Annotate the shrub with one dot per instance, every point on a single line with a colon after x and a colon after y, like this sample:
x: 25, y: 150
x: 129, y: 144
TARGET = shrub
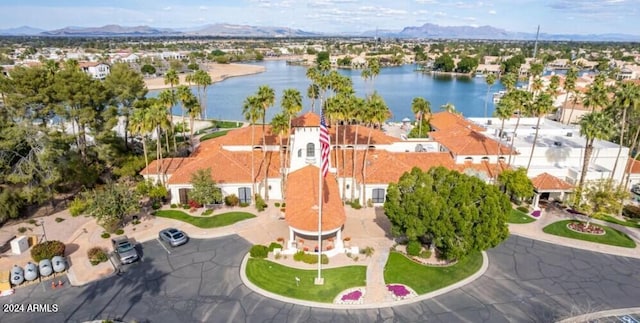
x: 413, y: 248
x: 59, y: 220
x: 135, y: 222
x: 97, y: 255
x: 284, y: 205
x: 22, y: 229
x: 368, y: 251
x: 277, y: 204
x: 244, y: 204
x: 47, y: 250
x: 185, y: 206
x: 33, y: 222
x: 260, y: 203
x: 173, y: 205
x: 369, y: 203
x: 356, y: 258
x: 105, y: 235
x: 280, y: 239
x: 298, y: 256
x: 119, y: 232
x: 259, y: 251
x: 356, y: 204
x: 274, y: 245
x: 631, y: 211
x: 156, y: 205
x: 77, y: 206
x: 278, y: 256
x: 231, y: 200
x: 425, y: 254
x: 523, y: 209
x: 311, y: 259
x: 207, y: 212
x: 194, y: 204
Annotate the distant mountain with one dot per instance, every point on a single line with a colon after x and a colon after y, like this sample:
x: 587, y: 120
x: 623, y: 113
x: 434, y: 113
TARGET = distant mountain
x: 111, y: 30
x: 229, y: 30
x: 488, y: 32
x: 21, y: 31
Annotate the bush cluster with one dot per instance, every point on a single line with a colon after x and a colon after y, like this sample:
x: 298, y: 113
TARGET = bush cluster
x: 413, y: 248
x: 309, y: 258
x: 47, y: 250
x: 231, y: 200
x: 207, y: 212
x: 244, y: 204
x: 274, y: 245
x: 194, y: 205
x: 105, y: 235
x: 259, y: 251
x: 260, y: 203
x: 119, y: 232
x: 97, y: 255
x: 631, y: 211
x: 77, y: 206
x: 173, y: 205
x: 425, y: 254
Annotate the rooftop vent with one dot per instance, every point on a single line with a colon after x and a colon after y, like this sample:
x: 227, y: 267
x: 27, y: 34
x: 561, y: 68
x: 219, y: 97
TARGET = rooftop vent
x: 557, y: 143
x: 489, y: 122
x: 569, y: 134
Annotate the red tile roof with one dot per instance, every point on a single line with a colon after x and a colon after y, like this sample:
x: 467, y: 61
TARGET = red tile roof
x: 168, y: 166
x: 302, y: 201
x: 308, y: 119
x: 546, y: 182
x: 378, y: 137
x: 634, y: 165
x: 463, y: 141
x: 447, y: 121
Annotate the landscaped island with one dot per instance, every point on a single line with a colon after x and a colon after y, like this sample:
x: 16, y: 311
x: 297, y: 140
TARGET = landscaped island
x: 205, y: 222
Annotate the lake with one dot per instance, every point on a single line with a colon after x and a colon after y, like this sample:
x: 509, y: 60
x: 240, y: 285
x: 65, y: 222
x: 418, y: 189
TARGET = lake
x: 397, y: 85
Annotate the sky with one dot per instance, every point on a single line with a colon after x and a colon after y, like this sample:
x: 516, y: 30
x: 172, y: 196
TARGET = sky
x: 553, y: 16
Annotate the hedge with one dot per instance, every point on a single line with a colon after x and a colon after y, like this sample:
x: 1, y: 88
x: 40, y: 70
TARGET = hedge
x: 259, y: 251
x: 413, y: 248
x: 47, y: 250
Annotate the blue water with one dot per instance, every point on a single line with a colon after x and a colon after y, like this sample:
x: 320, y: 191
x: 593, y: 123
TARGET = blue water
x: 397, y: 85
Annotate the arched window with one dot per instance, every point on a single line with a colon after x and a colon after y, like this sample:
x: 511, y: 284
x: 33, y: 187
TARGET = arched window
x: 311, y: 150
x: 300, y: 153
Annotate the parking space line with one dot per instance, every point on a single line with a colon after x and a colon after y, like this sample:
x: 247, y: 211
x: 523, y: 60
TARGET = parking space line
x: 163, y: 246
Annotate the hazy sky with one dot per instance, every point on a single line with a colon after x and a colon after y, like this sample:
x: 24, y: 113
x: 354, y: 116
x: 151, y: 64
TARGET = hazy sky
x: 554, y: 16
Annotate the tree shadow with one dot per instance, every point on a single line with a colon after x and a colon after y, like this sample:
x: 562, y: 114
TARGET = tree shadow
x: 383, y: 222
x: 70, y: 249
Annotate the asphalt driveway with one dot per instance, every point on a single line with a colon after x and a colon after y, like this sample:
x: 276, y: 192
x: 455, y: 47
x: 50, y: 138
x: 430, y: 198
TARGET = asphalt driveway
x: 527, y: 281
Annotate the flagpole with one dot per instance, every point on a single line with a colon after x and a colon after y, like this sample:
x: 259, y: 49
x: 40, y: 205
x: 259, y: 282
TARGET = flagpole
x: 319, y: 280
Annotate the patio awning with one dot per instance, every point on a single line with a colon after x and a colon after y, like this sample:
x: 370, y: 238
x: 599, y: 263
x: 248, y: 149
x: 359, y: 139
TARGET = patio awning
x: 547, y: 183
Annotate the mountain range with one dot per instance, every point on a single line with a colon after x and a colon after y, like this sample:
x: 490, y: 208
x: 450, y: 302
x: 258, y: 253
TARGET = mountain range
x: 428, y: 31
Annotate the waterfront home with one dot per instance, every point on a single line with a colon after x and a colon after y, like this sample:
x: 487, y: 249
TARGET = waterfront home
x: 97, y: 70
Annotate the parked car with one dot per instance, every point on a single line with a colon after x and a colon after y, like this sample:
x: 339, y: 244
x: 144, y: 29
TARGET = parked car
x: 173, y: 236
x: 125, y: 250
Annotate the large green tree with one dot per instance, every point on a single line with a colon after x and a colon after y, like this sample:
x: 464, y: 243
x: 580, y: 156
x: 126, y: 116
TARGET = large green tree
x: 516, y: 183
x: 455, y: 213
x: 205, y: 190
x: 111, y: 204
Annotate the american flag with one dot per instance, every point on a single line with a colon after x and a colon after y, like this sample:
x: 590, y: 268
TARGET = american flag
x: 324, y: 146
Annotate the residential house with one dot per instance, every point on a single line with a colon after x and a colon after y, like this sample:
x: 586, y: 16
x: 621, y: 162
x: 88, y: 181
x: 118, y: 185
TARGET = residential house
x: 97, y: 70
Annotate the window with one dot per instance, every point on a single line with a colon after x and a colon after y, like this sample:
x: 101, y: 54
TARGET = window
x: 300, y: 153
x: 244, y: 195
x: 378, y: 195
x: 311, y: 150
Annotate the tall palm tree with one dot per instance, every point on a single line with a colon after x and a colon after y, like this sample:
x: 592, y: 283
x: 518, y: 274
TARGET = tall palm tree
x: 595, y: 125
x: 542, y: 105
x: 251, y: 112
x: 358, y: 116
x: 280, y: 126
x: 504, y: 111
x: 569, y: 88
x: 171, y: 78
x: 596, y: 96
x: 521, y: 100
x: 168, y: 99
x: 183, y: 95
x: 139, y: 125
x: 291, y: 106
x: 490, y: 79
x: 627, y: 97
x: 157, y: 117
x: 376, y: 113
x: 509, y: 81
x: 371, y: 70
x: 449, y: 107
x: 203, y: 79
x: 420, y: 107
x: 313, y: 93
x: 194, y: 110
x: 266, y: 97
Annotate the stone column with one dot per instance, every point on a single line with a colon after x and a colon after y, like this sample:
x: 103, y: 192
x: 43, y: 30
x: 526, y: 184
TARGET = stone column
x: 536, y: 201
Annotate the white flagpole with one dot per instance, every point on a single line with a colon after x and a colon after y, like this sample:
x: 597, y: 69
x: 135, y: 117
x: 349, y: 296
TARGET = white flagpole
x: 319, y: 280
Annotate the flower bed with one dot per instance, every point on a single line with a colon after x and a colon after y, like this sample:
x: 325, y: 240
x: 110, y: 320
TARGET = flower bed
x: 400, y: 292
x: 583, y: 228
x: 351, y: 296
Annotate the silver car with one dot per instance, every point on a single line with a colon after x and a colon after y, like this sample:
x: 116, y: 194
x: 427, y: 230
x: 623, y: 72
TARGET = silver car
x: 125, y: 250
x: 173, y: 236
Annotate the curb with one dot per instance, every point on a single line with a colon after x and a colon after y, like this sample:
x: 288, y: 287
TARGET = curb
x: 444, y: 290
x: 597, y: 315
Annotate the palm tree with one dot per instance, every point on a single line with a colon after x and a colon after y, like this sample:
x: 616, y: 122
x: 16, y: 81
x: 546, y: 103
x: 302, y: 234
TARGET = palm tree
x: 171, y: 78
x: 596, y: 96
x: 168, y: 99
x: 313, y: 93
x: 183, y: 95
x: 521, y: 100
x: 291, y: 106
x: 542, y: 105
x: 358, y: 116
x: 376, y: 113
x: 371, y: 71
x: 569, y: 87
x: 509, y: 81
x: 504, y: 111
x: 202, y: 79
x: 449, y: 107
x: 251, y: 112
x: 139, y: 125
x: 266, y: 98
x: 280, y: 126
x: 627, y: 97
x: 157, y: 117
x: 420, y: 107
x: 490, y: 79
x: 194, y: 110
x: 595, y: 125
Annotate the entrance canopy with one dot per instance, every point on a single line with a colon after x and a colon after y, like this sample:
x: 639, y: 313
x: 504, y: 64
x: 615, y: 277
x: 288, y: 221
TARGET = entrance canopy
x: 547, y: 183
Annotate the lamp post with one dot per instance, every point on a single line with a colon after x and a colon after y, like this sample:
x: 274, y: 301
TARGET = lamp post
x: 44, y: 232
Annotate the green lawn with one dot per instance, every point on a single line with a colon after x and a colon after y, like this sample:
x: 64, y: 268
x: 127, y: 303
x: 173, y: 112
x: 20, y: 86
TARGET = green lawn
x: 213, y: 135
x: 423, y: 279
x: 281, y: 280
x: 214, y: 221
x: 611, y: 219
x: 226, y: 124
x: 518, y: 217
x: 611, y: 237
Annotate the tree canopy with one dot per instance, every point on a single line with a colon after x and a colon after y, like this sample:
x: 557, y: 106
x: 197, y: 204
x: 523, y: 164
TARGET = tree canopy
x: 516, y: 183
x: 456, y: 213
x: 205, y: 190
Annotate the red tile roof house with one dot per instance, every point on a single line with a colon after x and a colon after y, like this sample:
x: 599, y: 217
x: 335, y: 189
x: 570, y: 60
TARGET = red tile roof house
x: 377, y: 163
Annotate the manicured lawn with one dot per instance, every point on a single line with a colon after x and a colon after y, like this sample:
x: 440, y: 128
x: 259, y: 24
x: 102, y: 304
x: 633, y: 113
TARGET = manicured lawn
x: 423, y: 279
x: 611, y: 219
x: 281, y: 280
x: 611, y: 237
x: 519, y: 217
x: 227, y: 124
x: 213, y: 135
x: 214, y: 221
